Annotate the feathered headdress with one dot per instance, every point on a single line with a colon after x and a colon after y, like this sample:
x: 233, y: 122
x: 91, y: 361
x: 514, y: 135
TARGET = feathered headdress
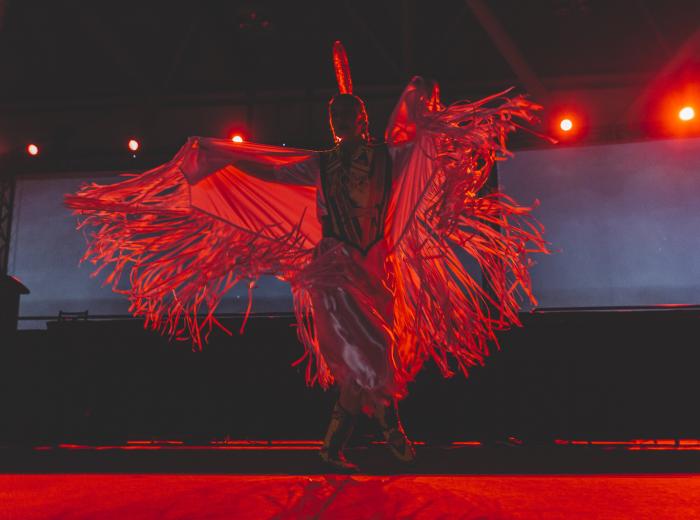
x: 342, y: 68
x: 342, y: 75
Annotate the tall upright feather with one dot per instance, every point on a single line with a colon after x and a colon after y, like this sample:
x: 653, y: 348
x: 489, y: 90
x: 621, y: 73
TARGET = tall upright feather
x: 342, y: 68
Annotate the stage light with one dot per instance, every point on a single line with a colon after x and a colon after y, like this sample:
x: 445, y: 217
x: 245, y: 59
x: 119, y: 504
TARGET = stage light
x: 566, y: 124
x: 133, y: 145
x: 33, y: 149
x: 686, y: 113
x: 237, y: 138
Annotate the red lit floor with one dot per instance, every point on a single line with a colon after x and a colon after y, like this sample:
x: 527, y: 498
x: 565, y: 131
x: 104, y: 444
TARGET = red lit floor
x: 134, y: 497
x: 654, y: 479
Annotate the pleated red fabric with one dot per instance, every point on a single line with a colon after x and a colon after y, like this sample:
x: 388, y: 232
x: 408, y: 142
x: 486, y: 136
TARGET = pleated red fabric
x: 176, y: 238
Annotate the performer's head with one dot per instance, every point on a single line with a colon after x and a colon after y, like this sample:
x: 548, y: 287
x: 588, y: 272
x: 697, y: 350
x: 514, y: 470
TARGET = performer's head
x: 348, y: 118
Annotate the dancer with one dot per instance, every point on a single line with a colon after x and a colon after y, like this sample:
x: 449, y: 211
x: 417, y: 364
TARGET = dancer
x: 377, y: 285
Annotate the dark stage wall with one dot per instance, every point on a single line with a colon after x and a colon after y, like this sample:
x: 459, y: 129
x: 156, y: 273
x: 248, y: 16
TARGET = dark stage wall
x: 594, y: 375
x: 624, y: 217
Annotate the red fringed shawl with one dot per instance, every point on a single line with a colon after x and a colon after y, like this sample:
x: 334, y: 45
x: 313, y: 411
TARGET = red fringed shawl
x: 186, y: 232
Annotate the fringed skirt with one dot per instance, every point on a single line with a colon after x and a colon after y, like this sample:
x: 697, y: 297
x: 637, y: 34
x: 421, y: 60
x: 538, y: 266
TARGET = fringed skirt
x: 352, y: 305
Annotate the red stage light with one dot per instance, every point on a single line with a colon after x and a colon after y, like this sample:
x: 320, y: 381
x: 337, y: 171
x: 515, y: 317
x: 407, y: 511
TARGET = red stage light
x: 686, y: 113
x: 568, y: 123
x: 133, y: 145
x: 237, y: 138
x: 33, y: 149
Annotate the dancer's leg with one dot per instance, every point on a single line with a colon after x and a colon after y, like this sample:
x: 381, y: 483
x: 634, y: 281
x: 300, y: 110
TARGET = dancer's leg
x: 394, y: 434
x: 350, y: 399
x: 339, y: 431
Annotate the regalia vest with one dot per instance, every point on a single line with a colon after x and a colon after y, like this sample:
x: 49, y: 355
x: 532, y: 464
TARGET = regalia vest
x: 356, y: 193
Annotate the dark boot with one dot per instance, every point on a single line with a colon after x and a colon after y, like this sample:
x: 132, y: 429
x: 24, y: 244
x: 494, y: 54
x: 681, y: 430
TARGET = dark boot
x: 339, y: 432
x: 394, y: 434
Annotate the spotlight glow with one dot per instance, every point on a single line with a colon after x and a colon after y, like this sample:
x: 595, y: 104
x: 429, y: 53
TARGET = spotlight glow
x: 686, y: 113
x: 566, y: 124
x: 33, y: 149
x: 133, y: 145
x: 237, y: 139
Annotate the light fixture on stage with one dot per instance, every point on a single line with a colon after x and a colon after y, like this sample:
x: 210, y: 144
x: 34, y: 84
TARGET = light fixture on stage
x: 237, y: 138
x: 566, y: 124
x: 133, y: 145
x: 32, y: 149
x: 686, y: 113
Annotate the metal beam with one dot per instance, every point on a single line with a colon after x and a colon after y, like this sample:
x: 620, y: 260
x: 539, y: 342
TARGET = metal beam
x: 7, y: 193
x: 508, y: 49
x: 688, y: 51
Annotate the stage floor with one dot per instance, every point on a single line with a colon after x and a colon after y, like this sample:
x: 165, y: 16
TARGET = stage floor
x: 636, y: 480
x: 133, y: 497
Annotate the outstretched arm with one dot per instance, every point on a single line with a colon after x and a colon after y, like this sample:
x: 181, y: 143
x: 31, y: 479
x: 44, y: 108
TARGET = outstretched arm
x: 176, y: 238
x: 202, y: 156
x: 266, y: 172
x: 302, y: 172
x: 404, y: 131
x: 420, y: 97
x: 437, y: 211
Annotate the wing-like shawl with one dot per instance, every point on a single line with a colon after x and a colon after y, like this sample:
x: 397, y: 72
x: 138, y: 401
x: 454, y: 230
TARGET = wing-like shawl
x: 438, y: 207
x: 186, y: 232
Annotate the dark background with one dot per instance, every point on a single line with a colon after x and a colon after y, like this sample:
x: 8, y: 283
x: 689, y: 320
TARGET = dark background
x: 610, y: 376
x: 81, y: 78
